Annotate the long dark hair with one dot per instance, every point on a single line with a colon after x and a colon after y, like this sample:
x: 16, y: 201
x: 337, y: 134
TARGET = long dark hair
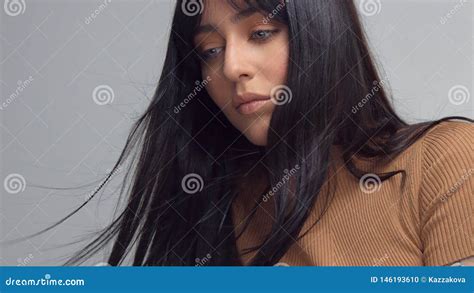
x: 338, y: 98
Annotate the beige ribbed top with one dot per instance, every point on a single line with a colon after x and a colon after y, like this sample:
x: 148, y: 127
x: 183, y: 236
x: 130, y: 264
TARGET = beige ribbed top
x: 428, y: 222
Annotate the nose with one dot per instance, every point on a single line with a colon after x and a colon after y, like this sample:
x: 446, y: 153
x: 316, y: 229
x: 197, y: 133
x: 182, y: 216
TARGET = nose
x: 237, y: 64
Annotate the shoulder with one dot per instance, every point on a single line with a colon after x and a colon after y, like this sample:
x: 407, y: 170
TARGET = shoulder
x: 449, y: 133
x: 449, y: 143
x: 446, y: 192
x: 447, y: 152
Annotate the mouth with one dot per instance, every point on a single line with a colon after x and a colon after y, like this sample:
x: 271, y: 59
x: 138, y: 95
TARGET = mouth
x: 249, y: 104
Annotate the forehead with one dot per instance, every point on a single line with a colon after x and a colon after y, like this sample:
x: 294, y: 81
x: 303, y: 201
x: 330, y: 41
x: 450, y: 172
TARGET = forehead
x: 216, y: 9
x: 220, y: 11
x: 219, y: 14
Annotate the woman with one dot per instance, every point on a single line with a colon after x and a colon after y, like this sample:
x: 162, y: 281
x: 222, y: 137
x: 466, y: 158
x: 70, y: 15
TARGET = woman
x: 271, y: 140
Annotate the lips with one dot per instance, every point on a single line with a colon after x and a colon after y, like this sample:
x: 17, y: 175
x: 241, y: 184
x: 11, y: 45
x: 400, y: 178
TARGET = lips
x: 249, y: 103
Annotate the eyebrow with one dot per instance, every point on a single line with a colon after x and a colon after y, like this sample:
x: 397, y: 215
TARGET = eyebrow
x: 236, y: 18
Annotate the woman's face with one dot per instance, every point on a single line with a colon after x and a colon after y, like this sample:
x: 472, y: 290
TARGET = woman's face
x: 244, y: 56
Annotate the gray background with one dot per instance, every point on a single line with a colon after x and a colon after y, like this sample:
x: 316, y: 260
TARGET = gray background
x: 53, y: 133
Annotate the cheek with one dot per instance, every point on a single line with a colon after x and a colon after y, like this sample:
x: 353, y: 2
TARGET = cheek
x: 276, y: 67
x: 280, y: 72
x: 217, y: 89
x: 282, y: 66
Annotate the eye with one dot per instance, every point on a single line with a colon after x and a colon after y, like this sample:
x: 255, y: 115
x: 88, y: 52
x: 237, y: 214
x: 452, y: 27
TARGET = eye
x: 258, y: 36
x: 262, y: 35
x: 210, y: 53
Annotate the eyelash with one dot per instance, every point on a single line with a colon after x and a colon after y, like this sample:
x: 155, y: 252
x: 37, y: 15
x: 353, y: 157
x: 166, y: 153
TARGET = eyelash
x: 271, y: 33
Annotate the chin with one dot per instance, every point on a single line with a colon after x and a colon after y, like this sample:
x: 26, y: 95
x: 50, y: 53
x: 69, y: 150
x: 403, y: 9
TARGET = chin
x: 255, y: 129
x: 257, y: 134
x: 260, y: 141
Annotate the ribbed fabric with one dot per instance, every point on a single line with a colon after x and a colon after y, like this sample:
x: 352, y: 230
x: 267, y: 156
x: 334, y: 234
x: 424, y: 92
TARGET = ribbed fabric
x: 428, y: 221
